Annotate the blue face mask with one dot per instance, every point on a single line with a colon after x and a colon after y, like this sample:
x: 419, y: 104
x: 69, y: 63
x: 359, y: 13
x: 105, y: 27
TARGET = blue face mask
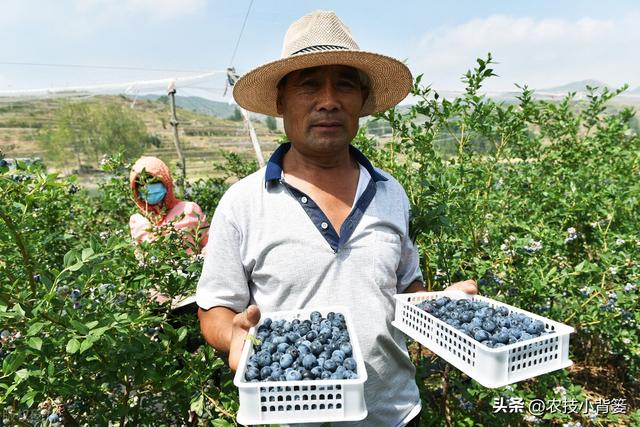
x: 153, y: 193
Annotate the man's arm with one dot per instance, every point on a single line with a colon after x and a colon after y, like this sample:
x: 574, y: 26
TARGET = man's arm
x: 225, y: 330
x: 468, y: 286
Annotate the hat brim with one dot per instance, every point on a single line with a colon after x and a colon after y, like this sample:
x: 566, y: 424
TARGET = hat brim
x: 389, y: 79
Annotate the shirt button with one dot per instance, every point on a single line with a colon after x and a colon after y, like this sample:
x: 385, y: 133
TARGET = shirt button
x: 324, y: 225
x: 303, y: 199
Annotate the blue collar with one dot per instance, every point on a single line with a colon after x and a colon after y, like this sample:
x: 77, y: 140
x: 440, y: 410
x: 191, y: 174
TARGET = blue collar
x: 274, y: 165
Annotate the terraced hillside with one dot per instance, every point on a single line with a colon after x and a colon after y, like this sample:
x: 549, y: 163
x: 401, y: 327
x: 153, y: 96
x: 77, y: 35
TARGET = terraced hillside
x: 202, y: 136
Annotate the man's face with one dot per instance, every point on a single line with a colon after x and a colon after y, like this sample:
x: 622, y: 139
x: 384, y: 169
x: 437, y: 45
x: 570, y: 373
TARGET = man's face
x: 321, y: 106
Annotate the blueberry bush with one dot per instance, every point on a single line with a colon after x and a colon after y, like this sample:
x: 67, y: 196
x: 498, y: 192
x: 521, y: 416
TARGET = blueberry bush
x: 544, y: 219
x: 537, y: 200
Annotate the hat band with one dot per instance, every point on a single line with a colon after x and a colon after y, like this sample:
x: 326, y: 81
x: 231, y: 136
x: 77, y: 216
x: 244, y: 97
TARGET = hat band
x: 319, y: 48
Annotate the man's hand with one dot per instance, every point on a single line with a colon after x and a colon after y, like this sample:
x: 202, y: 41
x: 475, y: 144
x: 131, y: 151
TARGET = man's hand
x: 241, y: 324
x: 468, y: 286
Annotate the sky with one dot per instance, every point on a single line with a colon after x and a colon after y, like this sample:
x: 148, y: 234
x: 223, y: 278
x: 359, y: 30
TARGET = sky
x: 542, y: 43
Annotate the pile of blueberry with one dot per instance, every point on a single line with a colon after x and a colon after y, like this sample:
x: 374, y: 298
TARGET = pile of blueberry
x: 494, y: 327
x: 317, y: 348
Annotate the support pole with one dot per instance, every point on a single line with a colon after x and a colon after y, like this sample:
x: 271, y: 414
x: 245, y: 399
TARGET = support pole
x: 171, y: 91
x: 253, y: 136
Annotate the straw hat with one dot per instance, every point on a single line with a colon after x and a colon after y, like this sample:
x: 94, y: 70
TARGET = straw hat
x: 317, y: 39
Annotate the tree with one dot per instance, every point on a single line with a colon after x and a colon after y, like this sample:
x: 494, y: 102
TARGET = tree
x: 236, y: 116
x: 90, y: 130
x: 271, y: 123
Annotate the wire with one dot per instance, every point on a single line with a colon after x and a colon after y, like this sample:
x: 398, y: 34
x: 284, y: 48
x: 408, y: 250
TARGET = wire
x: 105, y: 67
x: 235, y: 50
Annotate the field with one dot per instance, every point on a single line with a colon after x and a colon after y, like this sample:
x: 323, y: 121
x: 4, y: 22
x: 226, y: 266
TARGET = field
x: 538, y: 201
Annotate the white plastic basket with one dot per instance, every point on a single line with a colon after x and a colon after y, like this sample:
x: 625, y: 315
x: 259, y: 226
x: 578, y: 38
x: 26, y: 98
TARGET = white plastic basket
x: 491, y: 367
x: 305, y: 401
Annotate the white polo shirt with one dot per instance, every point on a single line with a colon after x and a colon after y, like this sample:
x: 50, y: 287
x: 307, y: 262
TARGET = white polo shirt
x: 271, y: 245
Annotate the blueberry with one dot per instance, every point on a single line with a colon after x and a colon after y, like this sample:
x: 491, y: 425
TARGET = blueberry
x: 293, y: 351
x: 269, y: 346
x: 337, y: 375
x: 501, y: 337
x: 350, y: 364
x: 282, y: 347
x: 330, y: 365
x: 292, y: 375
x: 303, y: 350
x: 292, y: 337
x: 279, y: 339
x: 316, y: 316
x: 251, y: 373
x: 525, y: 336
x: 265, y: 373
x: 275, y: 357
x: 75, y: 293
x: 338, y: 356
x: 264, y: 359
x: 504, y: 311
x: 325, y: 375
x: 316, y: 347
x: 489, y: 325
x: 309, y: 361
x: 53, y: 418
x: 350, y: 375
x: 286, y: 360
x: 316, y: 371
x: 312, y: 335
x: 481, y: 335
x: 346, y: 348
x: 535, y: 327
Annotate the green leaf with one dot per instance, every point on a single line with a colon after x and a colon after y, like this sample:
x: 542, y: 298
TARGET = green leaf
x: 182, y: 333
x: 86, y: 345
x: 80, y: 327
x: 13, y: 361
x: 197, y: 404
x: 77, y: 266
x: 35, y: 328
x: 92, y: 324
x: 29, y: 397
x: 70, y: 257
x: 86, y: 253
x: 98, y: 332
x: 22, y: 374
x: 73, y: 346
x: 252, y: 339
x: 35, y: 343
x: 19, y: 310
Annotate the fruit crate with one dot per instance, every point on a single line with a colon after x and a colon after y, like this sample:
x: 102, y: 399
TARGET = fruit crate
x: 491, y: 367
x: 304, y: 401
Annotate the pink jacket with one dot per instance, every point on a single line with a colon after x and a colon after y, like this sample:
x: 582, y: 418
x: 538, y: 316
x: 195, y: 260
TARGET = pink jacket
x: 140, y: 224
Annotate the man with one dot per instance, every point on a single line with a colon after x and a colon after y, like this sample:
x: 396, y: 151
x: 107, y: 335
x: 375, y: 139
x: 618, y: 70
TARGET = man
x: 319, y: 225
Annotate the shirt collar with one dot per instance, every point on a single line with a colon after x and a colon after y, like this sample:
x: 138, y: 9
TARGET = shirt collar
x: 274, y: 165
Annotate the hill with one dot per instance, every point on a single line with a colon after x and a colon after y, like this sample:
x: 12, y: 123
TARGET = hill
x: 202, y: 135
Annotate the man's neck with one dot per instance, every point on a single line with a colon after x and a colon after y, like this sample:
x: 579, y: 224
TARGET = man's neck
x: 318, y: 168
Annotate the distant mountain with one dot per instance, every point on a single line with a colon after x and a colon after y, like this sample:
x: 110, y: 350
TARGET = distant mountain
x: 633, y: 92
x: 204, y: 106
x: 580, y: 86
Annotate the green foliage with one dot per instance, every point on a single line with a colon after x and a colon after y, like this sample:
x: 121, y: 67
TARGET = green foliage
x: 236, y: 116
x: 545, y: 219
x: 84, y: 132
x: 271, y: 123
x: 537, y: 200
x: 84, y: 332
